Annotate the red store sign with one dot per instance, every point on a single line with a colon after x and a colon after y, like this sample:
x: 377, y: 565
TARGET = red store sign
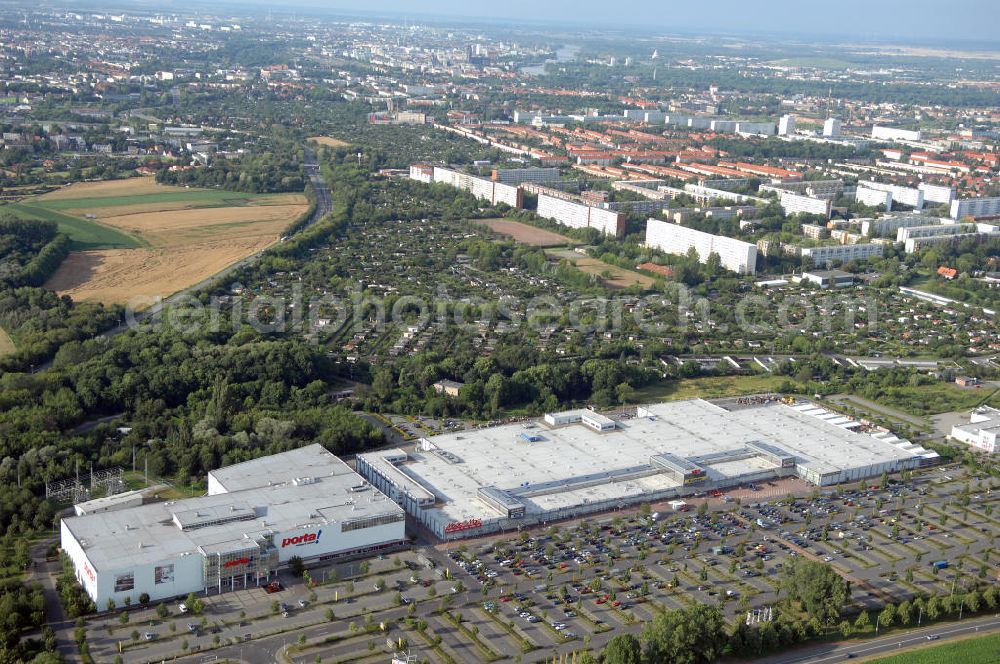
x: 459, y: 526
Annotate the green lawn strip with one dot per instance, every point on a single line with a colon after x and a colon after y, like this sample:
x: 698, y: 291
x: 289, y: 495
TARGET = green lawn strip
x: 84, y: 233
x: 228, y: 198
x: 964, y: 651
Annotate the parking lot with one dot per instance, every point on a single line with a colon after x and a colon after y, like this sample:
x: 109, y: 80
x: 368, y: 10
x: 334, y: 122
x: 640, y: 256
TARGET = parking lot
x: 572, y: 586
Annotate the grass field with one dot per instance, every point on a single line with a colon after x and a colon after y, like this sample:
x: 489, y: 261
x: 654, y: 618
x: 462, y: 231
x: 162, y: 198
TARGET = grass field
x: 709, y: 387
x: 619, y: 277
x: 525, y: 234
x: 330, y: 142
x: 965, y: 651
x: 85, y: 233
x: 6, y: 343
x: 138, y: 240
x: 934, y: 399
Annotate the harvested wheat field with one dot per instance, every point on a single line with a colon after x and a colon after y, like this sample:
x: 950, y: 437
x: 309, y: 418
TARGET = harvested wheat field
x: 182, y: 236
x: 138, y: 276
x: 330, y: 142
x: 525, y: 233
x: 107, y: 188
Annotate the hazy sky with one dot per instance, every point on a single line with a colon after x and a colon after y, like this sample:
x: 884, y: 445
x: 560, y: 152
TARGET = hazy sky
x: 901, y: 20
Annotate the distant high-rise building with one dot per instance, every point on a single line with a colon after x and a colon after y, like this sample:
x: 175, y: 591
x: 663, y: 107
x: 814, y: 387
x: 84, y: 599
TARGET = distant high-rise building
x: 831, y: 127
x: 786, y: 126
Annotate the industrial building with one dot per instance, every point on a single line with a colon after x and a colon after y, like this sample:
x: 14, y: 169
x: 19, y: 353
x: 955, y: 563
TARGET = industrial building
x: 571, y: 464
x: 257, y: 515
x: 735, y: 255
x: 982, y: 430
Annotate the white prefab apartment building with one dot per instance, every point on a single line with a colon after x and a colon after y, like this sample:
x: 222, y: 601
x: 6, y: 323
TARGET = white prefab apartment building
x: 982, y: 430
x: 795, y: 203
x: 735, y: 255
x: 874, y: 197
x: 580, y: 215
x: 567, y: 465
x: 256, y: 517
x: 905, y: 195
x: 975, y: 207
x: 824, y: 256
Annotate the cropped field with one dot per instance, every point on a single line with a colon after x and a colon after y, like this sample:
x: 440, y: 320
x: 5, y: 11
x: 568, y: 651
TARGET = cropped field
x: 6, y: 343
x: 616, y: 277
x: 176, y: 237
x: 330, y: 142
x: 525, y: 234
x: 965, y: 651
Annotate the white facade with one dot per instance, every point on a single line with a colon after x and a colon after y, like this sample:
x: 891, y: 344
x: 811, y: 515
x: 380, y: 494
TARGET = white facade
x: 824, y: 256
x: 934, y: 230
x: 786, y: 125
x: 797, y: 203
x: 975, y: 207
x: 887, y: 226
x: 982, y: 430
x: 422, y: 173
x: 525, y: 473
x: 934, y: 193
x: 893, y: 134
x: 517, y: 176
x: 905, y: 195
x: 874, y: 197
x: 494, y: 192
x: 579, y: 215
x: 735, y: 255
x: 831, y: 127
x: 305, y: 503
x: 765, y: 128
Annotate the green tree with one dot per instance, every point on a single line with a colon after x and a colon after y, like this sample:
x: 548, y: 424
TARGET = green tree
x: 622, y: 649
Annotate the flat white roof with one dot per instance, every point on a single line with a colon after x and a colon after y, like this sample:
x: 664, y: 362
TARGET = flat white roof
x: 303, y: 462
x: 228, y: 521
x: 575, y: 465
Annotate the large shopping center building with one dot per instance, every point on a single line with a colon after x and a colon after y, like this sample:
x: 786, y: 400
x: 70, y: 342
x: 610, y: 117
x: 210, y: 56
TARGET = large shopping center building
x: 257, y: 515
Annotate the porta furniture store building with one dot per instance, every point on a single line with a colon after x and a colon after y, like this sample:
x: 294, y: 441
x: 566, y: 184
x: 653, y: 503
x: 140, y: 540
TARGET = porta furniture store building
x: 257, y: 515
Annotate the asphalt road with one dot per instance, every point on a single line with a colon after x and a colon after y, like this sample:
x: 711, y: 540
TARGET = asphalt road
x: 885, y: 645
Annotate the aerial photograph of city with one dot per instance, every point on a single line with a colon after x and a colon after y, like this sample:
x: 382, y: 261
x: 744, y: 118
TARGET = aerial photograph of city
x: 384, y: 332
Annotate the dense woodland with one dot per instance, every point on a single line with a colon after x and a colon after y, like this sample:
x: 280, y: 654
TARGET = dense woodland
x: 30, y: 251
